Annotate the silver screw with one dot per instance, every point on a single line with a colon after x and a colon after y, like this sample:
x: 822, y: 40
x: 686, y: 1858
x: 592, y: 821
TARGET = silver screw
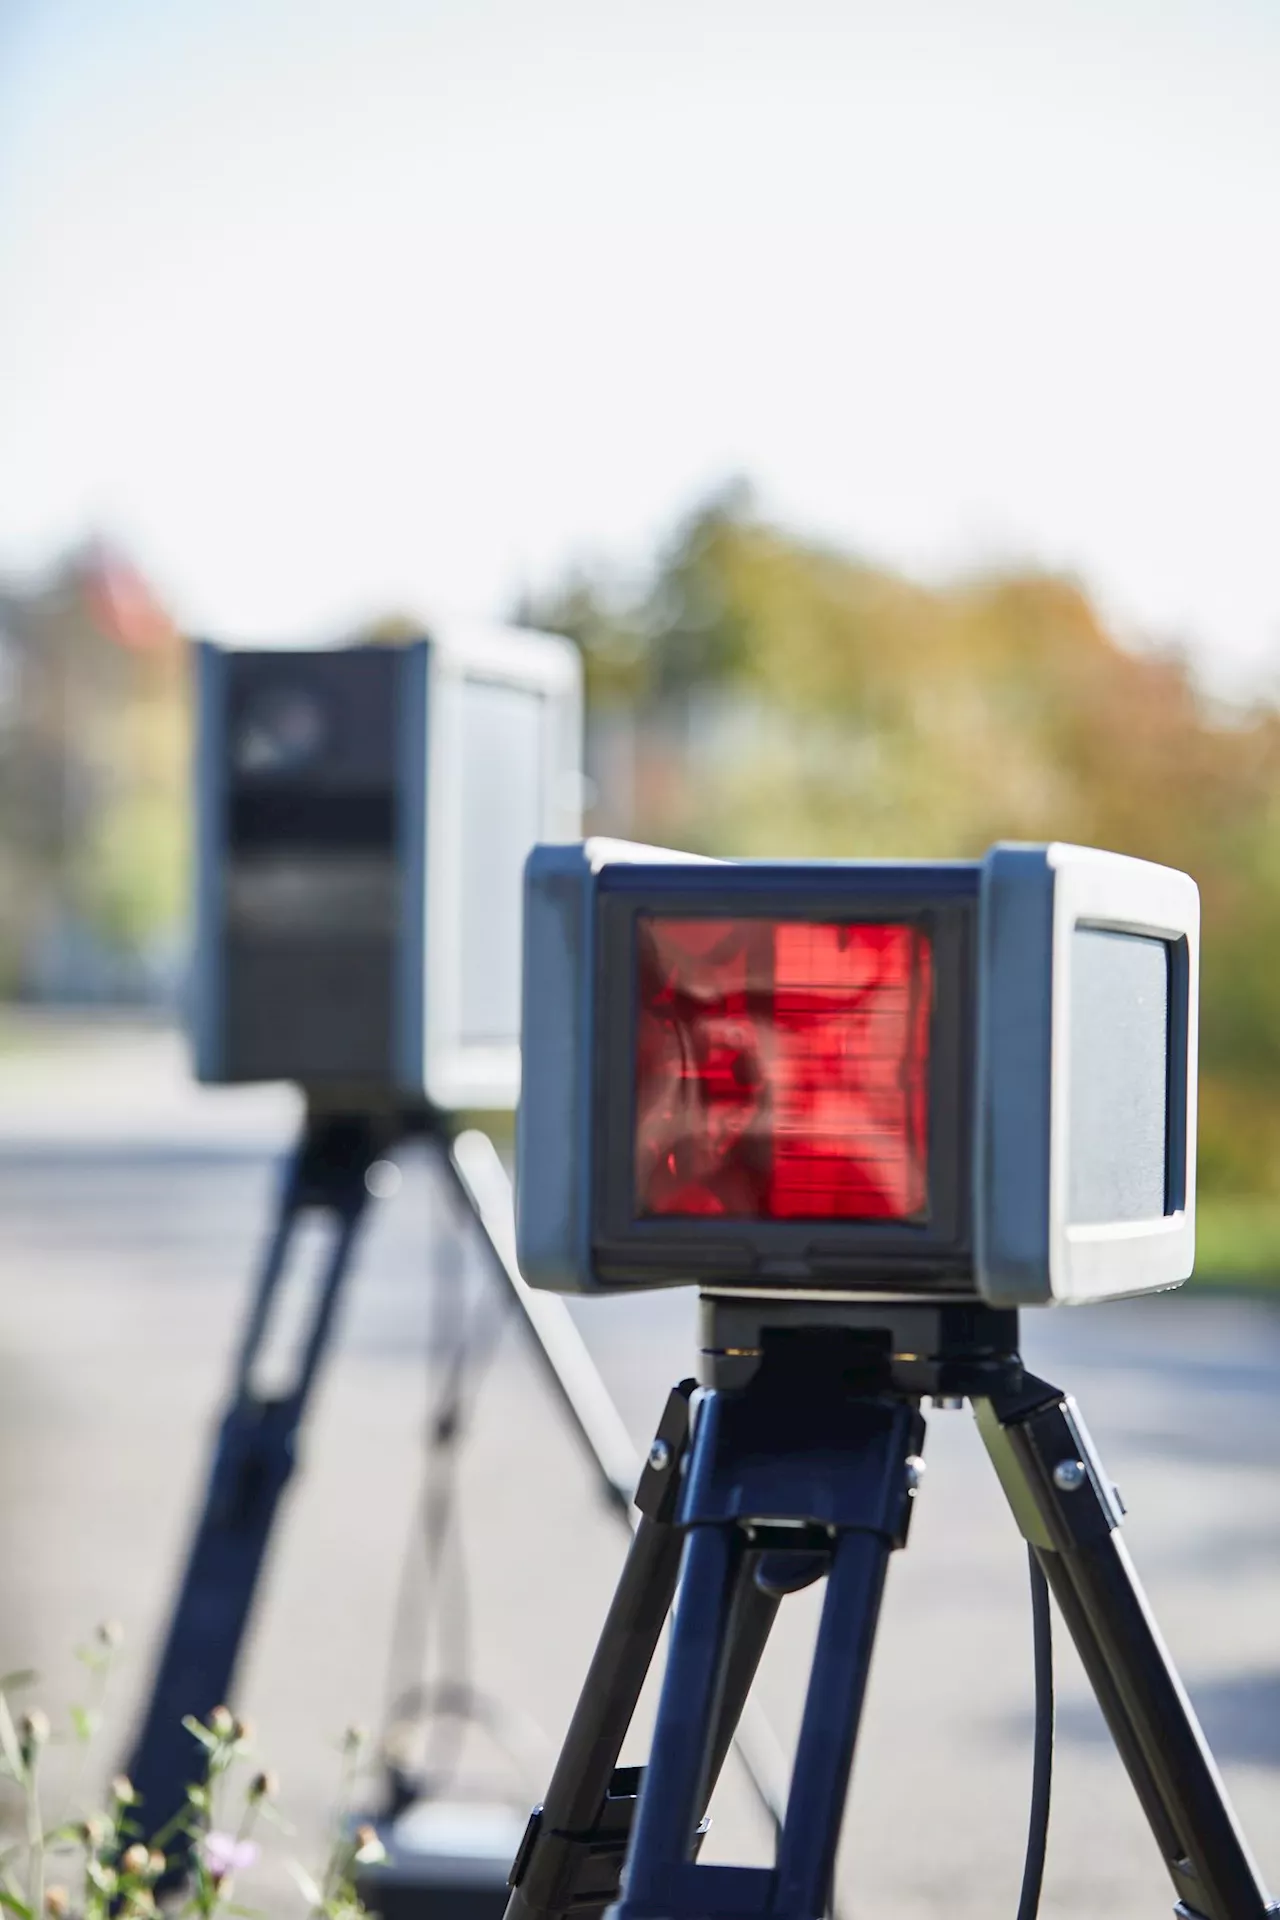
x: 1069, y: 1476
x: 915, y: 1471
x: 659, y: 1456
x: 382, y: 1179
x: 948, y: 1402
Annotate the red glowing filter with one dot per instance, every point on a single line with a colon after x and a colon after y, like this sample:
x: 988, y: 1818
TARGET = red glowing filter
x: 782, y: 1069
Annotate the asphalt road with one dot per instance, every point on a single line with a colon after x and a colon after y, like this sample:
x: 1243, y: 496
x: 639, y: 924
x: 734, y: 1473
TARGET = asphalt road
x: 131, y: 1212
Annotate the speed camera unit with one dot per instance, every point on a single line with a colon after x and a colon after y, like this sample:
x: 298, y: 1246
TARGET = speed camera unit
x: 972, y: 1079
x: 363, y: 817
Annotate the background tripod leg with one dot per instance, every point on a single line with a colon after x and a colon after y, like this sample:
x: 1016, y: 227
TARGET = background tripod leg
x: 472, y: 1168
x: 252, y: 1463
x: 1066, y: 1508
x: 475, y: 1171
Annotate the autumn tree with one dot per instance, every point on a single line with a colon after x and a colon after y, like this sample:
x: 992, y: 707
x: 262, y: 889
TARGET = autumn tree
x: 785, y: 698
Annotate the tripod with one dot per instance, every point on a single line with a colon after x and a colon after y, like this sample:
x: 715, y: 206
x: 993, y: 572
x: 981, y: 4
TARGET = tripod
x: 255, y: 1451
x: 802, y: 1463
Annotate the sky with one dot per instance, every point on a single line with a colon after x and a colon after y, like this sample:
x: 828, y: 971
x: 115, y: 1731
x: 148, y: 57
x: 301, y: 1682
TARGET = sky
x: 324, y: 311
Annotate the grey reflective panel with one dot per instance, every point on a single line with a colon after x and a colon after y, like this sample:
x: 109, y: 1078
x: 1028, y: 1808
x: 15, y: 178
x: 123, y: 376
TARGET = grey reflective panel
x: 1119, y: 1065
x: 502, y: 729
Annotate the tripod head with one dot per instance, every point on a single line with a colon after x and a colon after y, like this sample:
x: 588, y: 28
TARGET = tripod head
x: 890, y: 1347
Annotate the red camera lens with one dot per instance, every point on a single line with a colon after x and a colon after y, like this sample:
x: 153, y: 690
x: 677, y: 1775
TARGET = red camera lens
x: 782, y: 1069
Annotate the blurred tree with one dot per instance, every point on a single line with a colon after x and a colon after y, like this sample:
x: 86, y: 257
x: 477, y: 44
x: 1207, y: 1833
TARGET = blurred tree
x: 94, y: 743
x: 781, y: 697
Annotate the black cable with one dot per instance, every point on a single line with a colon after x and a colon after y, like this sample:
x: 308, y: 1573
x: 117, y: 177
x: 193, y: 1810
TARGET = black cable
x: 1042, y: 1763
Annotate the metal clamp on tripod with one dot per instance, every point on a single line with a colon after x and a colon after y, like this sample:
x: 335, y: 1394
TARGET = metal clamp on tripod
x: 803, y: 1464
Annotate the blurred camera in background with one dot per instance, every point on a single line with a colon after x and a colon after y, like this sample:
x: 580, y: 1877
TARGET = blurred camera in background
x: 363, y: 817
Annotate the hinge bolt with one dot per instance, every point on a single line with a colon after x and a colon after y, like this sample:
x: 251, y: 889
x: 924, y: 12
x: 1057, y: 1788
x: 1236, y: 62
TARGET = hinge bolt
x: 1069, y: 1476
x: 660, y: 1455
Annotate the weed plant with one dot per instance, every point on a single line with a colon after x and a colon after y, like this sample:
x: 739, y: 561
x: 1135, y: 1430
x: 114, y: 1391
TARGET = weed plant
x: 101, y: 1862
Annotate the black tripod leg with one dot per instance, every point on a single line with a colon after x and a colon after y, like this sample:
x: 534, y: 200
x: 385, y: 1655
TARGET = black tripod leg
x: 1067, y: 1510
x: 253, y: 1460
x: 826, y: 1485
x: 572, y: 1852
x: 677, y: 1775
x: 753, y: 1612
x: 829, y: 1730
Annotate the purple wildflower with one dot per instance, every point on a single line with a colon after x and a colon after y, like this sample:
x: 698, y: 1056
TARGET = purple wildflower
x: 223, y: 1854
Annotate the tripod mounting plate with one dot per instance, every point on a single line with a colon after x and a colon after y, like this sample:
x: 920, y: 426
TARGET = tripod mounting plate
x: 906, y: 1349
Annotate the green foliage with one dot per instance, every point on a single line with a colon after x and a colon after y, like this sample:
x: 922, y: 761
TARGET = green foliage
x: 94, y: 752
x: 793, y: 700
x: 1238, y: 1239
x: 112, y: 1868
x: 131, y: 870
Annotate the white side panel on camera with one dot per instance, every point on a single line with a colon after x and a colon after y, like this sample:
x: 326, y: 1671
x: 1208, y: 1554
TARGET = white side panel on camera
x: 1086, y: 1097
x: 503, y: 770
x: 1136, y: 1252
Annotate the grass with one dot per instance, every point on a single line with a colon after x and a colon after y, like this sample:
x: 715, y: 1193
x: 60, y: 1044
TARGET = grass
x: 1238, y: 1241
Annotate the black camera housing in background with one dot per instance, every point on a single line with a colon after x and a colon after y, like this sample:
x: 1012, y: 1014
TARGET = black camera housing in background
x: 313, y: 892
x: 363, y: 813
